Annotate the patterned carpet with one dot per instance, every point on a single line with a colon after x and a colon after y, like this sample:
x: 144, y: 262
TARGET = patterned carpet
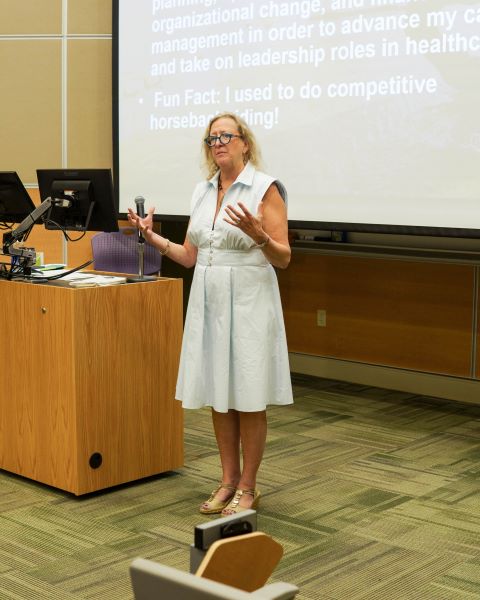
x: 374, y: 495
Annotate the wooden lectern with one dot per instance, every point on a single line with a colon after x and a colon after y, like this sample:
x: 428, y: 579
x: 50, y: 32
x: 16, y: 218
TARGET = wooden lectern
x: 87, y: 395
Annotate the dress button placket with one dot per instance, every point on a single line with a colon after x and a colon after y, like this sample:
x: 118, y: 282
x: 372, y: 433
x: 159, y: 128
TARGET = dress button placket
x: 210, y: 254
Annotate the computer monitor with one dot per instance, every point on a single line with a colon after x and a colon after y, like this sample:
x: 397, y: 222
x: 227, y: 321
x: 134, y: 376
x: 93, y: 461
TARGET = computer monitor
x: 88, y: 199
x: 15, y: 203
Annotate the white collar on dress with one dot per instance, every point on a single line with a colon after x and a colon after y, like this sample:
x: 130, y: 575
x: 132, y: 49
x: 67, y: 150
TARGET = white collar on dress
x: 245, y: 176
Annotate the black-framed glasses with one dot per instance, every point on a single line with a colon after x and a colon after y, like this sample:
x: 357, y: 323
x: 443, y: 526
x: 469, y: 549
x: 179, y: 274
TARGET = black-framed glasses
x: 223, y: 138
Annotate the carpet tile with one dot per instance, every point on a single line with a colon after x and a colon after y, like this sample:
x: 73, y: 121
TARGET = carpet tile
x: 374, y: 494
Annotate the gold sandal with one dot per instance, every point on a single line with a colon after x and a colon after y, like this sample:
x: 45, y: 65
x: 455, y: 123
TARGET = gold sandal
x: 234, y: 507
x: 216, y: 506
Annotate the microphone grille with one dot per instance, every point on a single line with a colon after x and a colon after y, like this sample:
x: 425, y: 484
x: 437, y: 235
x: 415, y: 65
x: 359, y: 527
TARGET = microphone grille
x: 139, y: 200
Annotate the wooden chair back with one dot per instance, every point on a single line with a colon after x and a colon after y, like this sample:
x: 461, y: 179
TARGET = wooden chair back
x: 245, y: 562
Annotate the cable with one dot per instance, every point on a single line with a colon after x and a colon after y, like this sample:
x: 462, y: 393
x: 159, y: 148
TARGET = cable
x: 60, y: 275
x: 64, y: 231
x: 17, y: 271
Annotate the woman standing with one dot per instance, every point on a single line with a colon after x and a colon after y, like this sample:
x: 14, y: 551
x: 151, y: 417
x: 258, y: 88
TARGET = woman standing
x: 234, y: 353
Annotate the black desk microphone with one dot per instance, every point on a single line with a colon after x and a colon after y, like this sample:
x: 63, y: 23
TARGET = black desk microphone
x: 140, y: 209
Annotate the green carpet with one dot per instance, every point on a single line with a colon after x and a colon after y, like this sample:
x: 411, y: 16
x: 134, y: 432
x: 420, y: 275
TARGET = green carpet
x: 373, y: 494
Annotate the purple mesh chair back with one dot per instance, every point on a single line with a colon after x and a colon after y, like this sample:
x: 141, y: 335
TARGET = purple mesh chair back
x: 117, y: 252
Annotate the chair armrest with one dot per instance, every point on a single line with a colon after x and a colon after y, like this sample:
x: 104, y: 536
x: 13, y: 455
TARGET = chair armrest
x: 276, y: 591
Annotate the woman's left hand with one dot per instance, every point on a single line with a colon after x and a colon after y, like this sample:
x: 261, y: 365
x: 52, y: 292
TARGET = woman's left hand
x: 241, y: 217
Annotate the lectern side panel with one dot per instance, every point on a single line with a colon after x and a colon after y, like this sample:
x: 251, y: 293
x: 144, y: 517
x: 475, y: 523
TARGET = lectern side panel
x: 127, y: 345
x: 37, y: 401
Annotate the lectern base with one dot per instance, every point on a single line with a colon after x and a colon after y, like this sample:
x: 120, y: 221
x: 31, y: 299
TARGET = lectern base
x: 75, y: 418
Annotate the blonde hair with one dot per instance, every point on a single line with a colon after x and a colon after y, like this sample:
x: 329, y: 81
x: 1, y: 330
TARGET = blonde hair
x: 253, y: 151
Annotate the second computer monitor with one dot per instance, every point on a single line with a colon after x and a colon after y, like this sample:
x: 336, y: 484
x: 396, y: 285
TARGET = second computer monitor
x: 15, y: 203
x: 85, y: 200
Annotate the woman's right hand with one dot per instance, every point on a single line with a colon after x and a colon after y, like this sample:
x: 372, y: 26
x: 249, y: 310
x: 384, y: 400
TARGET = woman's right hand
x: 144, y: 225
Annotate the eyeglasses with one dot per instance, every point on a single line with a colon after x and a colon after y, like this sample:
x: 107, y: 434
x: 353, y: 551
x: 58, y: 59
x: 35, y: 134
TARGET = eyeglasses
x: 223, y: 138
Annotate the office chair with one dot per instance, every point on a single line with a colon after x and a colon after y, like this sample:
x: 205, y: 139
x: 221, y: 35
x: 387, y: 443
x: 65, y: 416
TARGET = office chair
x: 117, y: 252
x: 234, y: 568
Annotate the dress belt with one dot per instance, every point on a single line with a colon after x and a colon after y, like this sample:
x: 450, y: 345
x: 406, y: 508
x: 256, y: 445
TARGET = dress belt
x: 215, y: 257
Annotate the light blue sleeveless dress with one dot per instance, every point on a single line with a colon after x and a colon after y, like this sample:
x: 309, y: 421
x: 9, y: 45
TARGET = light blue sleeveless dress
x: 234, y: 351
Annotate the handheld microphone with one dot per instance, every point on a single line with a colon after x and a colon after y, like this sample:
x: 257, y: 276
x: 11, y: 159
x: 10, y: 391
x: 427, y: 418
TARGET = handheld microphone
x: 140, y: 209
x: 141, y: 277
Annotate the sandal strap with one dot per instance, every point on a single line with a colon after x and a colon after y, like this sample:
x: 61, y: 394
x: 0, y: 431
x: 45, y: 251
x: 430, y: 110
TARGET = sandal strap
x: 238, y: 494
x: 250, y: 492
x: 227, y: 486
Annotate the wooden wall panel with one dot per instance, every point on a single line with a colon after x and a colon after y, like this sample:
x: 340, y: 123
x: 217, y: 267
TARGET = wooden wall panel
x: 30, y: 16
x: 30, y: 119
x: 89, y: 16
x: 385, y: 312
x: 89, y: 103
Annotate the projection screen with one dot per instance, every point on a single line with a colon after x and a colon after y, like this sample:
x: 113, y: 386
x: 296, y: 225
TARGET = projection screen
x: 368, y: 111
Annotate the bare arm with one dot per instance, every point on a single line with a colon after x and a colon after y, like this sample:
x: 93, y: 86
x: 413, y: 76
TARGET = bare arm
x: 270, y: 226
x: 185, y: 254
